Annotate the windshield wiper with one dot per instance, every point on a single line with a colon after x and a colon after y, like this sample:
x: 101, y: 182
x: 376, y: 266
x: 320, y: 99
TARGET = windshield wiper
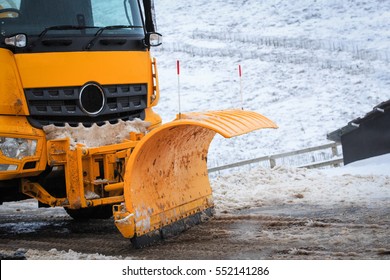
x: 60, y: 27
x: 110, y: 27
x: 65, y: 27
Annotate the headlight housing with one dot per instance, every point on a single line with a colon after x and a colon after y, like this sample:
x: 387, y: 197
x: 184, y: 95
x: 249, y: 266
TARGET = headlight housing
x: 17, y: 148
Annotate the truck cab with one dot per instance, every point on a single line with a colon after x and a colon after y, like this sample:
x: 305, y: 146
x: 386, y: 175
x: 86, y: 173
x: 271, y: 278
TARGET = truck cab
x: 70, y: 63
x: 85, y: 65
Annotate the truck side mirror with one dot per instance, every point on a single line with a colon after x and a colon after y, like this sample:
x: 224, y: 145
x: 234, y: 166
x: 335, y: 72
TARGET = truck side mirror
x: 18, y: 40
x: 153, y: 39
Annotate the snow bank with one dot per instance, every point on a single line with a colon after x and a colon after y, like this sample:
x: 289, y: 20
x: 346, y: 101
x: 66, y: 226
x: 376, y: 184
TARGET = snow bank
x: 372, y: 166
x: 96, y: 136
x: 343, y: 186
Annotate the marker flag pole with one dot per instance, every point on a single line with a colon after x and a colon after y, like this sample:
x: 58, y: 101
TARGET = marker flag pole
x: 240, y: 76
x: 178, y: 85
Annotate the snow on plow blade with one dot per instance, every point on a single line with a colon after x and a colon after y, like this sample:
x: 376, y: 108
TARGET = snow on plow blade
x: 166, y: 186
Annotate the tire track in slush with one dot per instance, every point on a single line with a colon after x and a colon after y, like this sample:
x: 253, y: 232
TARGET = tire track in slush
x: 256, y: 234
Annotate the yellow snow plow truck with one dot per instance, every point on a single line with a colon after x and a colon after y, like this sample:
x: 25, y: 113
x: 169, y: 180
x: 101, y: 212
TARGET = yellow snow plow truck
x: 77, y: 128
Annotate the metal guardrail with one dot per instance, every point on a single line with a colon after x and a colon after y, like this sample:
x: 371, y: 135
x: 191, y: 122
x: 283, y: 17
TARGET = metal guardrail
x: 334, y: 162
x: 336, y: 159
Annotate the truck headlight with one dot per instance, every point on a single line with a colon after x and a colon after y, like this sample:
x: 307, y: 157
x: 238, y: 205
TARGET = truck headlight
x: 17, y: 148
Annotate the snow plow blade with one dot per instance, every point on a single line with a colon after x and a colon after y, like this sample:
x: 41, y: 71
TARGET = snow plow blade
x: 166, y: 185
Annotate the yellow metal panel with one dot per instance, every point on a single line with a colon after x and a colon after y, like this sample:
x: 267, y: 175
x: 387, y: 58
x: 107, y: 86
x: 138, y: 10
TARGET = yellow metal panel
x: 153, y: 118
x: 167, y: 171
x: 15, y: 126
x: 228, y: 123
x: 124, y: 221
x: 166, y: 176
x: 156, y: 90
x: 11, y: 90
x: 76, y: 68
x: 74, y: 179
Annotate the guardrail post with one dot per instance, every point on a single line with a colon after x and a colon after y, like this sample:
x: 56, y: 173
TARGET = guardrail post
x: 335, y: 154
x: 272, y: 162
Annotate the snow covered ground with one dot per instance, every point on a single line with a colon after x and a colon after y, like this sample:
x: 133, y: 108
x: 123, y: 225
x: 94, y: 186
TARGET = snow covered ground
x: 310, y: 66
x: 365, y: 183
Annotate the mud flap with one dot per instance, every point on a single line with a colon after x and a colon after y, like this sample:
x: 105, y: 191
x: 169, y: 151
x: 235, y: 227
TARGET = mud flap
x: 166, y: 185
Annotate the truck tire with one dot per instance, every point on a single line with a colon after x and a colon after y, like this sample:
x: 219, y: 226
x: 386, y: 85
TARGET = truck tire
x: 83, y: 214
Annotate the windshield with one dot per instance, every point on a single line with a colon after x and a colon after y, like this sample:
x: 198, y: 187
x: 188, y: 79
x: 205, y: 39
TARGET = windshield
x: 32, y: 17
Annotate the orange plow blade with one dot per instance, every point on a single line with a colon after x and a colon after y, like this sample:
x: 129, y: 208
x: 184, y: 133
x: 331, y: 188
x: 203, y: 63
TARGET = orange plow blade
x: 166, y: 185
